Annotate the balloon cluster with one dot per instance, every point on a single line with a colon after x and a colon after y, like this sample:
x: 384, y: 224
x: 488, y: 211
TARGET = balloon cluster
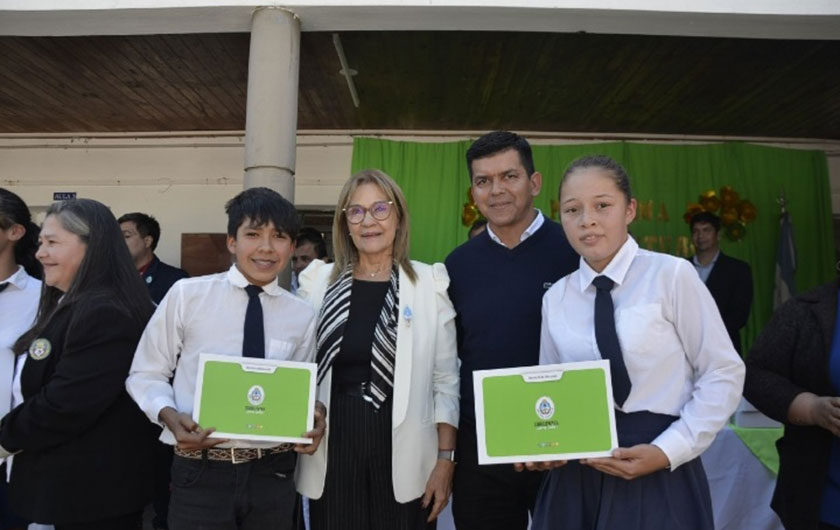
x: 470, y: 213
x: 735, y: 213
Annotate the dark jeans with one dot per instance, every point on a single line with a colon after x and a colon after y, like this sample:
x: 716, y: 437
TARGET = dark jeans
x: 213, y: 495
x: 490, y: 497
x: 163, y: 465
x: 132, y: 521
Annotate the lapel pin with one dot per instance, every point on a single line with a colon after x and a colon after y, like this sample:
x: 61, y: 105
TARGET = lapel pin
x: 407, y: 315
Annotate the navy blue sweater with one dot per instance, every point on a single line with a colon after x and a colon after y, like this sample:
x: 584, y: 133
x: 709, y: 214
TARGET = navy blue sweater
x: 497, y: 293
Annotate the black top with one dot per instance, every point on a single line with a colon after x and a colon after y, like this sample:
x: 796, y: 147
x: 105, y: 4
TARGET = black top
x: 352, y: 364
x: 791, y: 356
x: 86, y: 446
x: 497, y: 293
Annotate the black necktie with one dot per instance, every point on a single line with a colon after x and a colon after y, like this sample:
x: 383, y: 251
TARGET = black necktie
x: 607, y: 338
x: 253, y: 339
x: 3, y: 286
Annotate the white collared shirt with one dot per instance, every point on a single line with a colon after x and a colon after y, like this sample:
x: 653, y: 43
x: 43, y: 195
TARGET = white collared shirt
x: 532, y: 228
x: 677, y: 351
x: 207, y: 315
x: 705, y: 270
x: 18, y: 308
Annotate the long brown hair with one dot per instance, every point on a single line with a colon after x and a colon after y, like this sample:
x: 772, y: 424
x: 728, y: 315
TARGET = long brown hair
x: 345, y: 251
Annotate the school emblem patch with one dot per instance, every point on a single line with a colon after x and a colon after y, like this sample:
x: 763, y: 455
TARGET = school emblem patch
x: 40, y: 349
x: 545, y: 408
x: 256, y: 395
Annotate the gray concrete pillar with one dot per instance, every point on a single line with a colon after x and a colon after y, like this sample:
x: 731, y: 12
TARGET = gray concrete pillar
x: 271, y: 119
x: 271, y: 113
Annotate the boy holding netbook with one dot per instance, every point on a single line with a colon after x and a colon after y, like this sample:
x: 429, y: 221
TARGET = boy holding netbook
x: 221, y: 483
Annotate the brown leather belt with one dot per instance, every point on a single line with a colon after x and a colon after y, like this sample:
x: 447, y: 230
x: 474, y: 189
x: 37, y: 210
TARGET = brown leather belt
x: 234, y: 455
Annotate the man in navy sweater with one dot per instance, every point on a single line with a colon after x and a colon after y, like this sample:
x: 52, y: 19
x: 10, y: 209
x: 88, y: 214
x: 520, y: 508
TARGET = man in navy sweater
x: 497, y: 281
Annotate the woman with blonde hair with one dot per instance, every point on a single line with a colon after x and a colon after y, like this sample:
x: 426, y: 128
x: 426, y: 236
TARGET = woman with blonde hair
x: 387, y: 370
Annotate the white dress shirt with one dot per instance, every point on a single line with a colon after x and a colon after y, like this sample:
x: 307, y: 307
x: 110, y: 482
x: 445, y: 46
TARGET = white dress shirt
x: 18, y: 308
x: 532, y: 228
x: 675, y: 346
x: 207, y: 315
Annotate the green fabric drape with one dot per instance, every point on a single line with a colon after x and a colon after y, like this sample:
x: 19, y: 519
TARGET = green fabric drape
x: 435, y: 180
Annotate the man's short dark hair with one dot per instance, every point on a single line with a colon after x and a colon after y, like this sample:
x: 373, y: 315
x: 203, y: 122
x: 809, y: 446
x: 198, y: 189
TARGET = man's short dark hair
x: 481, y: 223
x: 498, y: 141
x: 705, y: 217
x: 146, y: 226
x: 261, y: 206
x: 310, y: 235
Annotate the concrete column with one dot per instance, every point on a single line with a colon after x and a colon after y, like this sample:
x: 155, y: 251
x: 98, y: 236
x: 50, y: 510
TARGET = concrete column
x: 271, y: 120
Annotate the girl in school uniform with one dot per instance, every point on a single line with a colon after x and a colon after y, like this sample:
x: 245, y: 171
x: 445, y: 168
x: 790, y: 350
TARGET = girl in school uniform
x: 676, y: 376
x: 20, y: 288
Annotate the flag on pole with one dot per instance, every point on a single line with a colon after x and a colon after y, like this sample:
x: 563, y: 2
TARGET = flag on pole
x: 785, y: 262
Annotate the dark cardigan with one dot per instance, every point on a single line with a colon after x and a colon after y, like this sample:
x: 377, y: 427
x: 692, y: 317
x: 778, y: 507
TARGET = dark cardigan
x: 788, y: 358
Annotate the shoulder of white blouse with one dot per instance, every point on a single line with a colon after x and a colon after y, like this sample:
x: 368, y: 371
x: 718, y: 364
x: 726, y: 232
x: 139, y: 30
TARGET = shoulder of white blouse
x: 313, y: 277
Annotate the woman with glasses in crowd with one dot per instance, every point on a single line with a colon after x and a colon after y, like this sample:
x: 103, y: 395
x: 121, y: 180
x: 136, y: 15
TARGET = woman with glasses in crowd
x: 387, y: 371
x: 81, y: 446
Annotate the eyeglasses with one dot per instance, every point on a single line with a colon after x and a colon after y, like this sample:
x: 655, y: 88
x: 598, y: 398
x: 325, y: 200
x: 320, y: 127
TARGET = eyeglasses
x: 379, y: 210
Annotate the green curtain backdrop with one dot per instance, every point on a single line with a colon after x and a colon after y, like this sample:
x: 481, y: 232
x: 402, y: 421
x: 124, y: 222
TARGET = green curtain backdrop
x: 665, y: 178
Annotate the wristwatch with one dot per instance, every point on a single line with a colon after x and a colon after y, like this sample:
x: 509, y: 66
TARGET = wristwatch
x: 446, y: 454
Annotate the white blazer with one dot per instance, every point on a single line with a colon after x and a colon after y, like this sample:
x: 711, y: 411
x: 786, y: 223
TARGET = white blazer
x: 425, y: 379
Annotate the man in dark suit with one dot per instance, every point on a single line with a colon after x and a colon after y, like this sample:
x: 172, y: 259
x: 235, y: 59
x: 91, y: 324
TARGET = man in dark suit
x: 728, y: 279
x: 142, y: 233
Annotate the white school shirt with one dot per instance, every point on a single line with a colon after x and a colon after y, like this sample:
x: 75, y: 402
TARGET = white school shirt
x: 18, y: 308
x: 678, y: 354
x: 207, y: 315
x: 532, y: 228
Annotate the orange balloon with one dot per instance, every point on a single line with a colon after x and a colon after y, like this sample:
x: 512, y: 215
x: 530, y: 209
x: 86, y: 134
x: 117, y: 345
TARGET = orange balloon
x: 728, y: 216
x: 710, y: 204
x: 735, y: 232
x: 728, y: 196
x: 469, y: 215
x: 747, y: 211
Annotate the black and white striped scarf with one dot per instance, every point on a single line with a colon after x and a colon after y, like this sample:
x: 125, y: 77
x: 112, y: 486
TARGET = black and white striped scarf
x: 335, y: 311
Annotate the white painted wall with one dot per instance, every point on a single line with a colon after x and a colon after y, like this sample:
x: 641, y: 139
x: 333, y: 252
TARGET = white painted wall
x: 184, y: 180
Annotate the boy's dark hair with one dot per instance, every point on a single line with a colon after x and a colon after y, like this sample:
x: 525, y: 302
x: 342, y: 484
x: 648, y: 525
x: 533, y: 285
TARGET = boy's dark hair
x: 310, y: 235
x: 146, y: 226
x: 261, y: 206
x: 705, y: 217
x: 498, y: 141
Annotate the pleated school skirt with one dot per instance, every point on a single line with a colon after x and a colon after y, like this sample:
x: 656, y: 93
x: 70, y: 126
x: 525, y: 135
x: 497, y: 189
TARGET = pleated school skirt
x: 578, y: 497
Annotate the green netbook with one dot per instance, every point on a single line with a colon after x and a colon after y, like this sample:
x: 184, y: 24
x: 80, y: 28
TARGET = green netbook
x: 255, y: 399
x: 541, y: 413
